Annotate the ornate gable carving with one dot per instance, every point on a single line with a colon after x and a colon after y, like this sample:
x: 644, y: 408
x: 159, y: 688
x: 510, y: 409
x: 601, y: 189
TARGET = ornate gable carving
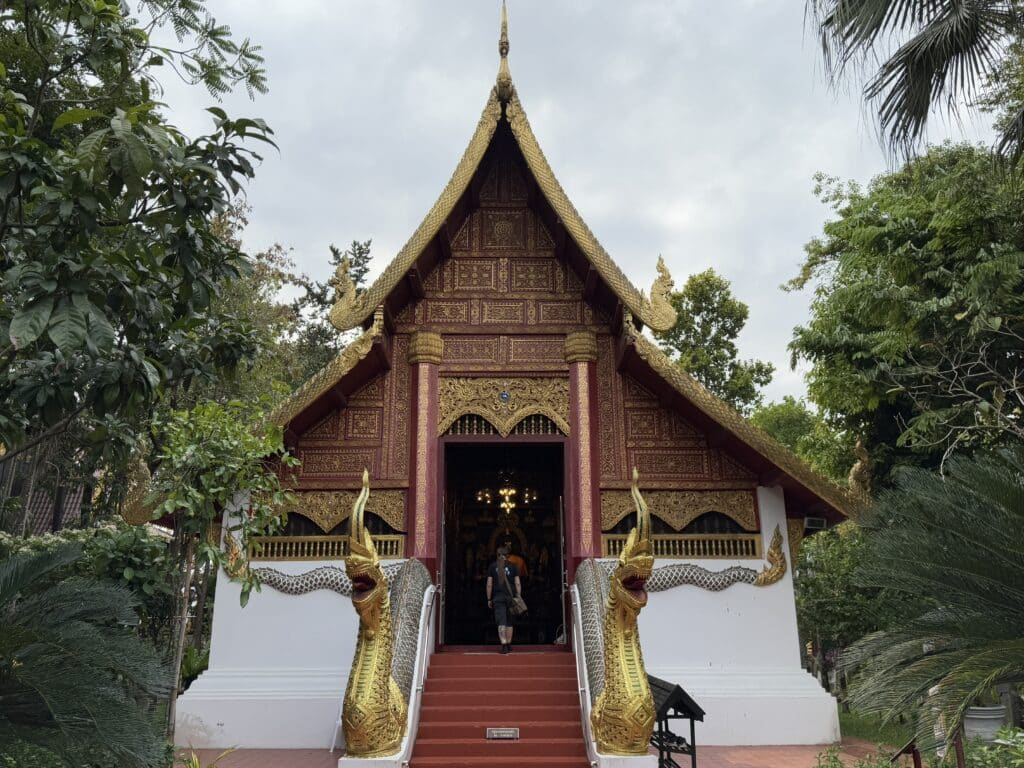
x: 503, y: 402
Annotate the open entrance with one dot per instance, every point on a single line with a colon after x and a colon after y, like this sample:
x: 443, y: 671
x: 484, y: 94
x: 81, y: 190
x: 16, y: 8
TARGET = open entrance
x: 494, y: 491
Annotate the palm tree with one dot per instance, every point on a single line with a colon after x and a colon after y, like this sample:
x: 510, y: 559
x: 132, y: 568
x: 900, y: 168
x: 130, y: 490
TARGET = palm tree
x: 957, y: 544
x: 75, y: 679
x: 928, y: 53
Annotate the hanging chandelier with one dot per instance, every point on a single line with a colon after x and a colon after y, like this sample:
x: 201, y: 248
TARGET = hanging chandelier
x: 507, y: 495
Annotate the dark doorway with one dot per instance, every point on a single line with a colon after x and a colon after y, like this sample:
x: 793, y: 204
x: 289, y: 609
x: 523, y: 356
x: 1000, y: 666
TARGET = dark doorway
x: 528, y: 481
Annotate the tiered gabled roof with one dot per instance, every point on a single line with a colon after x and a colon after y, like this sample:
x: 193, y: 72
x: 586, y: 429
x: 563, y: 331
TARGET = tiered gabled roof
x: 503, y: 104
x: 368, y: 309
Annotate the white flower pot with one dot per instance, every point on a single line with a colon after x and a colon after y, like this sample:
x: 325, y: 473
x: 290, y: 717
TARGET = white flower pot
x: 983, y: 722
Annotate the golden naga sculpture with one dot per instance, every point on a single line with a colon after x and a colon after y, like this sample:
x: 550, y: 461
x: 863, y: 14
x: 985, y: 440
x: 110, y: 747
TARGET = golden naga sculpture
x: 374, y: 710
x: 623, y: 715
x: 776, y: 567
x: 662, y: 311
x: 344, y: 295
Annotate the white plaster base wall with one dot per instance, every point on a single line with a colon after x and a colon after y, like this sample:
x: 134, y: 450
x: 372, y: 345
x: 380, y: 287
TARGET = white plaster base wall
x: 737, y: 652
x: 278, y: 669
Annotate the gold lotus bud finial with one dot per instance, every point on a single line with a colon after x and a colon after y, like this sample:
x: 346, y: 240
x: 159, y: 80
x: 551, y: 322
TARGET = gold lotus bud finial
x: 504, y: 86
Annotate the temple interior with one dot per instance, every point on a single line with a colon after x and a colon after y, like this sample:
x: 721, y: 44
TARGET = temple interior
x: 479, y: 479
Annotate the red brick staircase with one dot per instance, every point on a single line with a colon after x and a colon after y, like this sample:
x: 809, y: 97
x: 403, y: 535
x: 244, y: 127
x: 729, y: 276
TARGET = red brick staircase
x: 465, y: 693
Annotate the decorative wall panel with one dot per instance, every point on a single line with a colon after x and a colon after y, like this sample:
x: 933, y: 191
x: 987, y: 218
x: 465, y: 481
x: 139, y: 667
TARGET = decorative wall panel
x: 329, y: 508
x: 371, y: 432
x: 680, y: 508
x: 340, y: 463
x: 637, y: 429
x: 503, y: 277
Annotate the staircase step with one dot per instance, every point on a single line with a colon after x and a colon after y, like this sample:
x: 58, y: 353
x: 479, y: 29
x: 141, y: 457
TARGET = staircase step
x: 466, y: 693
x: 528, y: 729
x: 497, y: 660
x: 505, y: 673
x: 483, y: 697
x: 508, y: 686
x: 510, y: 748
x: 506, y: 713
x: 462, y: 761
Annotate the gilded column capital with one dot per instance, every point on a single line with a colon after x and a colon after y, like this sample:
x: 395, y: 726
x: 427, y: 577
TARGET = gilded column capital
x: 581, y: 347
x: 425, y: 347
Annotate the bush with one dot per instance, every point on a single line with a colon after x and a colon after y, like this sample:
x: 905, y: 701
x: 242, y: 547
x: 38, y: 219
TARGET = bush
x: 131, y: 556
x: 1007, y: 754
x: 830, y: 759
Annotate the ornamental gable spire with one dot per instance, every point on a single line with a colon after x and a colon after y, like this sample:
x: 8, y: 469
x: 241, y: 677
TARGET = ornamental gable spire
x: 504, y: 84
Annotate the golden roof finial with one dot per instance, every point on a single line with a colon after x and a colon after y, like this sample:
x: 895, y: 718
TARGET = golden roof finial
x: 504, y: 76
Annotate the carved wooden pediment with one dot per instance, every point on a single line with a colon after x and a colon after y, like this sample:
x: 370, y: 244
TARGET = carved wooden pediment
x: 328, y: 508
x: 503, y: 402
x: 680, y: 508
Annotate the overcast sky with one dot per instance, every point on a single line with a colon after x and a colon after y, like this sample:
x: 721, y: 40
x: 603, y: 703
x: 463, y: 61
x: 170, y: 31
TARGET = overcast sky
x: 686, y: 128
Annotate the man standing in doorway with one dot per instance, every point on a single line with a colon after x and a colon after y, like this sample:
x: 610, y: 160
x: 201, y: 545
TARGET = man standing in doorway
x: 502, y: 585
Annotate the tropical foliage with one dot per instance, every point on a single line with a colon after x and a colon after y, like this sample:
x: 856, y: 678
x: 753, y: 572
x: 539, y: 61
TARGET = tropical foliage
x: 130, y: 556
x: 110, y: 259
x: 703, y: 341
x: 956, y: 543
x: 75, y: 680
x: 209, y: 454
x: 919, y: 56
x: 917, y: 325
x: 834, y: 609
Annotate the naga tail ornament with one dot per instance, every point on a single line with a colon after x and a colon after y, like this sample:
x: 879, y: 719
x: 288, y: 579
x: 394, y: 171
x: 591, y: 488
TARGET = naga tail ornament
x: 623, y: 715
x: 374, y: 709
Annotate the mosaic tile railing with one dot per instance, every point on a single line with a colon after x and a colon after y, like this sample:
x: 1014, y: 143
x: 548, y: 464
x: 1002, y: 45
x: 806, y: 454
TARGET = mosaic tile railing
x: 389, y: 547
x: 693, y: 546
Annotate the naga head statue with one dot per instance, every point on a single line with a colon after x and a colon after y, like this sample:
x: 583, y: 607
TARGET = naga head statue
x: 369, y: 587
x: 636, y: 559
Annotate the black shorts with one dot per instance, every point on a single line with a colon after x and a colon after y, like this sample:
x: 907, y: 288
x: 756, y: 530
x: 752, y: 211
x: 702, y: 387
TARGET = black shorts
x: 501, y: 614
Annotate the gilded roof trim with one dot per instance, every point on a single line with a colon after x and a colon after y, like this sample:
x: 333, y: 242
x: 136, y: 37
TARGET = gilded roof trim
x: 657, y: 312
x: 725, y: 416
x: 321, y: 382
x: 351, y: 310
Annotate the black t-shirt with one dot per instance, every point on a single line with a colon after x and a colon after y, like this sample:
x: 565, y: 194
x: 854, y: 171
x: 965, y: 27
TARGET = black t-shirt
x: 498, y: 591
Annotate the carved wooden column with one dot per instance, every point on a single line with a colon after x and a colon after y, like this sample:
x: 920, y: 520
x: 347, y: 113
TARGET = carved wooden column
x: 425, y: 348
x: 584, y: 485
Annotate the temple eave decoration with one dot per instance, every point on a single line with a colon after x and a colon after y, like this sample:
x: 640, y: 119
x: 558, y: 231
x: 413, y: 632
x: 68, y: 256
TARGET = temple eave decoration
x: 327, y: 377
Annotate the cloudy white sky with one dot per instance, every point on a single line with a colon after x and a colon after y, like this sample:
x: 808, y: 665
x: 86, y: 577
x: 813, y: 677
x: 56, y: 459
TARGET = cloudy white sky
x: 686, y: 128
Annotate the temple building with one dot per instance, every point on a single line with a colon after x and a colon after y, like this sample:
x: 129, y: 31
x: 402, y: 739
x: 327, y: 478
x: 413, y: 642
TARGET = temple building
x: 503, y: 385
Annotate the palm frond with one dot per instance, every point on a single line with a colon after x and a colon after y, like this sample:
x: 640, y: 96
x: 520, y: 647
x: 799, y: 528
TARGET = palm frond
x: 955, y: 544
x: 74, y: 678
x: 927, y: 54
x: 21, y: 571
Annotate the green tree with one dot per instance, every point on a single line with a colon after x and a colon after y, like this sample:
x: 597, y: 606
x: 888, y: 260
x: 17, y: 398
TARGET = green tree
x: 833, y: 609
x: 75, y: 680
x: 808, y: 435
x: 953, y: 544
x: 703, y: 341
x: 916, y: 336
x: 212, y: 455
x: 109, y: 266
x: 920, y: 56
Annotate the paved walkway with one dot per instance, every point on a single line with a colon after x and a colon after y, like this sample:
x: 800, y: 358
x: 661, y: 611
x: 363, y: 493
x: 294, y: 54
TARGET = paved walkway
x: 710, y: 757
